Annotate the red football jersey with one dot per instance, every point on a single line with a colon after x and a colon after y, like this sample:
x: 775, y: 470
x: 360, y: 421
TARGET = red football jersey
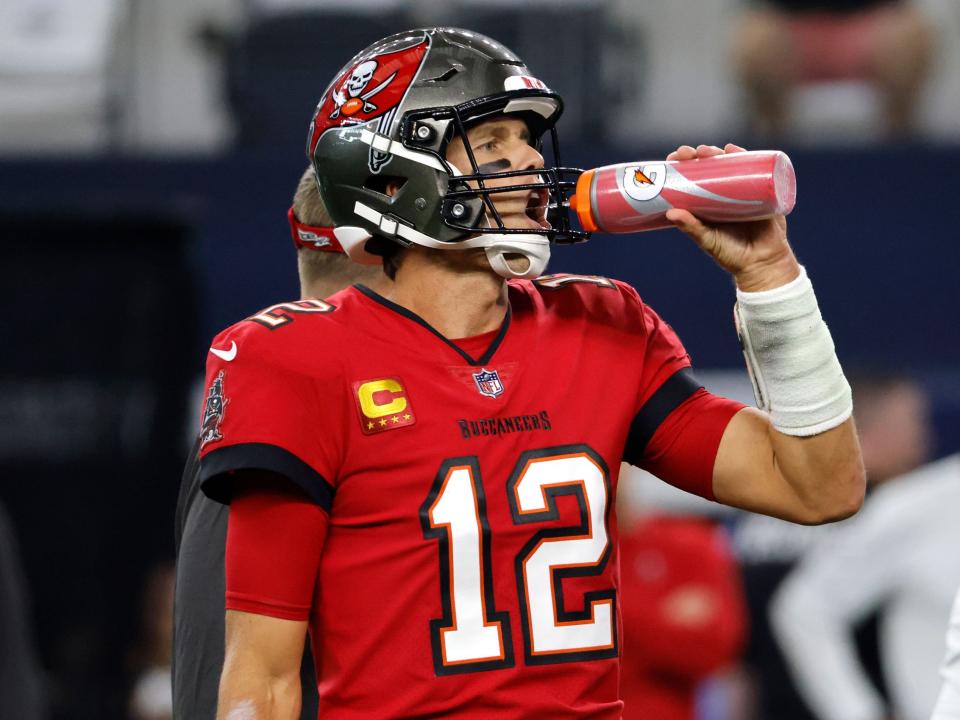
x: 470, y: 566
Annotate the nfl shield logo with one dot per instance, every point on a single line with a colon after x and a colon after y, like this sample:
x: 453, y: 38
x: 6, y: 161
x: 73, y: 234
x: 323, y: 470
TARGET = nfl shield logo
x: 488, y: 383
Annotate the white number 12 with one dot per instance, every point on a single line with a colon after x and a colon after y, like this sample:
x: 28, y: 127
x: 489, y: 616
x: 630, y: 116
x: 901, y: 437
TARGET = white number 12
x: 472, y: 635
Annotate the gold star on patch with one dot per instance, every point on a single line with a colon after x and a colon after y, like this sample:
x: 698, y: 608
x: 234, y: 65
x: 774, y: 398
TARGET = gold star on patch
x: 406, y: 416
x: 383, y: 422
x: 395, y: 419
x: 369, y: 426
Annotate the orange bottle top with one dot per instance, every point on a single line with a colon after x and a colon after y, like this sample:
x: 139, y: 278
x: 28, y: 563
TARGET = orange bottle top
x: 580, y: 201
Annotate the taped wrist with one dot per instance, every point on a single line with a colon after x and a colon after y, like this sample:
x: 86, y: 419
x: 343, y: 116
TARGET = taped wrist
x: 791, y: 359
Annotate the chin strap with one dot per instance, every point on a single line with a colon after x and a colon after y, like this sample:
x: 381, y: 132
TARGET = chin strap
x: 533, y: 246
x: 354, y: 240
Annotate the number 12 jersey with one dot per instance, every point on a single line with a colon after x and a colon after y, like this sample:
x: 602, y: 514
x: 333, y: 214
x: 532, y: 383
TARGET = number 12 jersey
x: 469, y: 566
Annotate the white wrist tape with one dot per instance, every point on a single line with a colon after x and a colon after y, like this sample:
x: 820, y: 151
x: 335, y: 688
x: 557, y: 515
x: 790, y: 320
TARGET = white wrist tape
x: 791, y: 359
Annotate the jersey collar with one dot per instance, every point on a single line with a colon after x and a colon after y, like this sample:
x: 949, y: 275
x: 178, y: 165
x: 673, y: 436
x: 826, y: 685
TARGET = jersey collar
x: 410, y: 315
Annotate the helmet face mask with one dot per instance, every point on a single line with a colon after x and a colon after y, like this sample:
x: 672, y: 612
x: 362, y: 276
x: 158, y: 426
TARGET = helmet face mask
x: 387, y: 122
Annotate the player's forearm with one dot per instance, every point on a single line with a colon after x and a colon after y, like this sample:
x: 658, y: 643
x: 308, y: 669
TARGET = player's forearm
x: 809, y: 480
x: 824, y: 471
x: 248, y: 692
x: 804, y: 460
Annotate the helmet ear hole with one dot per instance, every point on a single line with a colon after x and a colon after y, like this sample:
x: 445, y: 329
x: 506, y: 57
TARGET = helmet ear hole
x: 389, y: 185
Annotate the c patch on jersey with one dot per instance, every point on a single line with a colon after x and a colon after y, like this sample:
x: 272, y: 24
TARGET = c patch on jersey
x: 383, y: 405
x: 213, y: 412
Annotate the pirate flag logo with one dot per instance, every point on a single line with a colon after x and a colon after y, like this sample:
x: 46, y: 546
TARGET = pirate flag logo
x: 213, y: 412
x: 371, y: 88
x: 356, y: 88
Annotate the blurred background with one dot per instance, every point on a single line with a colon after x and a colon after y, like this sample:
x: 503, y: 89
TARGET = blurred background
x: 148, y: 154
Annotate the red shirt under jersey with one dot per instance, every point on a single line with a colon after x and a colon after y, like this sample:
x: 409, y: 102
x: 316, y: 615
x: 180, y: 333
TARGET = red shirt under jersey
x: 469, y: 566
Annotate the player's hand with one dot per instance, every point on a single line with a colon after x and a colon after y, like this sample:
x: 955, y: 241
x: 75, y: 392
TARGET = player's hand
x: 756, y: 253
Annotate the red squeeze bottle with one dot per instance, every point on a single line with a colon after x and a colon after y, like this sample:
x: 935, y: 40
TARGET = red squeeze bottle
x: 735, y: 187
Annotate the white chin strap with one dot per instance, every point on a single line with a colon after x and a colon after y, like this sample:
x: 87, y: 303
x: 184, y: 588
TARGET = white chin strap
x: 535, y: 248
x: 532, y: 246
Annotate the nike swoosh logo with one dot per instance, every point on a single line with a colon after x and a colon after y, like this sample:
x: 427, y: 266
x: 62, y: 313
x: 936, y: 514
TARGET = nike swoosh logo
x: 227, y: 355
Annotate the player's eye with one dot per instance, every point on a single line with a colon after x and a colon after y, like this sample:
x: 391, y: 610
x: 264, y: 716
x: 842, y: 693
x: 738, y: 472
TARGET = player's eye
x: 488, y: 146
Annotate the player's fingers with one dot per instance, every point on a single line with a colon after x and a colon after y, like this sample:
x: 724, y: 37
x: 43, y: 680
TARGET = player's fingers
x: 684, y: 152
x: 708, y: 151
x: 684, y: 220
x: 730, y: 148
x: 704, y: 236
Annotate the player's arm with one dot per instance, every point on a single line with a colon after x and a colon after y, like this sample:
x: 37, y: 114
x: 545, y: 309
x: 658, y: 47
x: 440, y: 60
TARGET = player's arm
x: 800, y: 460
x: 274, y: 539
x: 261, y: 669
x: 808, y: 480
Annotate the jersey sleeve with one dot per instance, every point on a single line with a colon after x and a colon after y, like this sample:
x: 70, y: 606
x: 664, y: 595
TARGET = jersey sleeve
x: 265, y: 410
x: 684, y: 447
x: 275, y: 536
x: 676, y: 430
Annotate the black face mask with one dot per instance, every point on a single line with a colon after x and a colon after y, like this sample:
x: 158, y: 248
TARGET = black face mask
x: 471, y: 209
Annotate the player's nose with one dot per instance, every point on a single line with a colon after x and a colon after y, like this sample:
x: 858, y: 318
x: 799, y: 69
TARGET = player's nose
x: 528, y: 158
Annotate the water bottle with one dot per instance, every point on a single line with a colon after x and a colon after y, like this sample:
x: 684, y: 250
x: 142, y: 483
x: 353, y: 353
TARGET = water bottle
x: 734, y: 187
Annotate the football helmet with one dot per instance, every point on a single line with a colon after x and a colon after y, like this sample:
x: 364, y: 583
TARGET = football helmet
x: 386, y: 121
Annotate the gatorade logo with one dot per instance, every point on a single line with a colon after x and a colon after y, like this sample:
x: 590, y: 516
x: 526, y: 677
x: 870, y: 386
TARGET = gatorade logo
x: 644, y: 182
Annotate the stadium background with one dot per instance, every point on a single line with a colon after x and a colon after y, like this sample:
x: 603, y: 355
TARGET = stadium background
x: 149, y: 153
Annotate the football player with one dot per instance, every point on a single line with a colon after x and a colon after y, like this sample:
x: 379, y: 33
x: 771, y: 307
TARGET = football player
x: 424, y: 477
x: 201, y: 524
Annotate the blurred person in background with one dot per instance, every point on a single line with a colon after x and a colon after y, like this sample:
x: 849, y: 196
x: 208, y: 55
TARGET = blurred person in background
x: 895, y: 429
x: 894, y: 423
x: 150, y: 698
x: 948, y: 702
x: 21, y: 694
x: 684, y: 616
x: 782, y: 44
x: 898, y: 559
x: 201, y: 524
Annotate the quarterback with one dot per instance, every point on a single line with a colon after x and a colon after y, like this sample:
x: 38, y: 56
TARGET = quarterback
x: 424, y: 479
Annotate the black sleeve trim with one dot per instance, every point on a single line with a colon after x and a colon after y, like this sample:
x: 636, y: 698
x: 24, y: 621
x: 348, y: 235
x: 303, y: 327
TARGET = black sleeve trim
x: 675, y: 390
x: 217, y: 466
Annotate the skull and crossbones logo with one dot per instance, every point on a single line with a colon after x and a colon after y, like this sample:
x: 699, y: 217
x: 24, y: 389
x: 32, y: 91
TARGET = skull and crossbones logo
x: 354, y: 87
